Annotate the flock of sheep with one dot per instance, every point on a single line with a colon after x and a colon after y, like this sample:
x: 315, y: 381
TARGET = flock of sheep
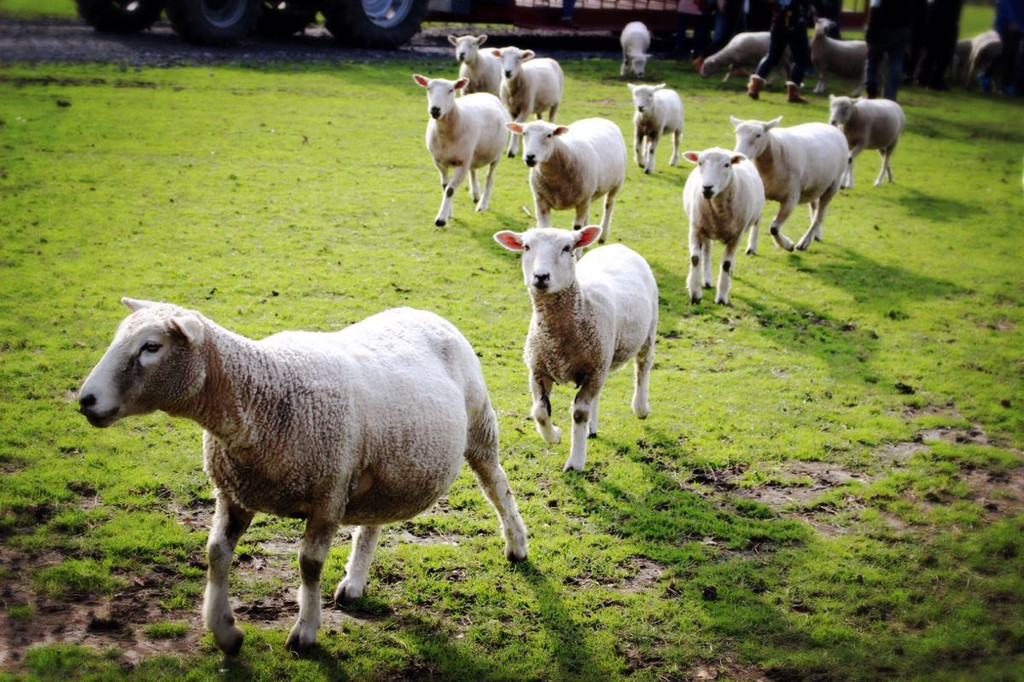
x: 371, y: 424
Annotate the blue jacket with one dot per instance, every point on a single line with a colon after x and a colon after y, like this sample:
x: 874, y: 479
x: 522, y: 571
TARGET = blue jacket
x: 1009, y: 12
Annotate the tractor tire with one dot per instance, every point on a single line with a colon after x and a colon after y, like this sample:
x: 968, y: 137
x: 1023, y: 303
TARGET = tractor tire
x: 385, y: 24
x: 282, y: 19
x: 221, y: 23
x: 120, y: 16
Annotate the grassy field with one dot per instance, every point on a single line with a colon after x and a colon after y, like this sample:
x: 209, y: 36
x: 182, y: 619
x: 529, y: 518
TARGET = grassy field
x: 829, y: 487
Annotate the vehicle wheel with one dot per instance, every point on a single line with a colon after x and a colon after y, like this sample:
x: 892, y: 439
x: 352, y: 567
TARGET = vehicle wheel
x: 213, y: 22
x: 120, y: 16
x: 284, y: 18
x: 374, y: 23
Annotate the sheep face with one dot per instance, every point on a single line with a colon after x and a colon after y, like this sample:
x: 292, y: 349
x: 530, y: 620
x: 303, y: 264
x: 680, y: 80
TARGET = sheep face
x: 752, y: 136
x: 440, y: 93
x: 538, y: 140
x: 643, y: 98
x: 467, y: 47
x: 512, y: 59
x: 840, y: 110
x: 148, y: 366
x: 715, y: 166
x: 638, y: 63
x: 549, y: 263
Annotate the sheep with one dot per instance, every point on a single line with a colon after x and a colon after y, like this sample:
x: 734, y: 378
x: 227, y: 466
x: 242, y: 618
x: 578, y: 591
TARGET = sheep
x: 844, y: 58
x: 723, y: 196
x: 744, y: 50
x: 635, y: 41
x: 658, y: 111
x: 463, y: 134
x: 589, y: 318
x: 800, y: 164
x: 528, y: 86
x: 986, y: 48
x: 572, y: 165
x: 362, y: 426
x: 867, y: 124
x: 482, y: 68
x: 961, y: 55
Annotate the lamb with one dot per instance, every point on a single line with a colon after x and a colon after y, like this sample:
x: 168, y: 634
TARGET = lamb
x: 744, y: 50
x: 570, y: 166
x: 723, y: 196
x: 868, y: 124
x: 986, y: 48
x: 801, y: 164
x: 362, y: 426
x: 482, y: 68
x: 589, y: 318
x: 528, y: 86
x: 844, y: 58
x: 635, y: 40
x: 464, y: 134
x: 658, y: 111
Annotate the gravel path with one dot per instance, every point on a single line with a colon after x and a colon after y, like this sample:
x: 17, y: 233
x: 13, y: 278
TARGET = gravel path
x: 76, y: 42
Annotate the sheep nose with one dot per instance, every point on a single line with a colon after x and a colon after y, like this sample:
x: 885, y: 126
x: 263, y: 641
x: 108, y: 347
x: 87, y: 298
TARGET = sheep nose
x: 508, y: 74
x: 541, y: 280
x: 640, y: 109
x: 435, y: 112
x: 709, y: 191
x: 87, y: 401
x: 530, y: 160
x: 462, y: 56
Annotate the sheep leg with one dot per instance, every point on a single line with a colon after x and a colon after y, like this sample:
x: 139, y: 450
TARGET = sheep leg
x: 551, y: 114
x: 482, y: 457
x: 582, y: 407
x: 786, y: 207
x: 642, y: 364
x: 592, y: 423
x: 447, y: 212
x: 639, y: 142
x: 622, y: 71
x: 353, y: 585
x: 543, y: 213
x: 752, y: 238
x: 814, y: 232
x: 513, y: 142
x: 706, y: 258
x: 677, y: 138
x: 485, y: 200
x: 725, y: 273
x: 820, y: 87
x: 694, y: 280
x: 541, y: 412
x: 229, y: 522
x: 316, y: 543
x: 583, y: 216
x: 474, y: 186
x: 606, y: 217
x: 652, y: 146
x: 848, y: 177
x: 443, y: 172
x: 885, y: 167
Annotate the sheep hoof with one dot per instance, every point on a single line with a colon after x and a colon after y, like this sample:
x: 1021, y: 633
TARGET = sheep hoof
x: 802, y: 246
x: 347, y: 593
x: 592, y: 435
x: 570, y: 466
x: 751, y: 252
x: 440, y: 222
x: 515, y: 556
x: 647, y: 171
x: 511, y: 155
x: 694, y: 299
x: 722, y: 301
x: 231, y: 642
x: 295, y: 644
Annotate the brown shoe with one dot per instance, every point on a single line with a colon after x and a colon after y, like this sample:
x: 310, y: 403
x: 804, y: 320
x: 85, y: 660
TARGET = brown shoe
x: 793, y: 93
x: 698, y: 62
x: 754, y: 86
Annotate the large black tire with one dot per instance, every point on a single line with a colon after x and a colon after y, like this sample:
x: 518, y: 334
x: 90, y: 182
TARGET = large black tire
x: 213, y: 22
x: 120, y: 16
x: 385, y: 24
x: 281, y: 19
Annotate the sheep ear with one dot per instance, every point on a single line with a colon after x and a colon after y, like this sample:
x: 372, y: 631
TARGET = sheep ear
x: 738, y: 158
x: 735, y: 121
x: 692, y: 157
x: 772, y: 123
x: 659, y: 86
x: 420, y: 80
x: 453, y: 40
x: 516, y: 128
x: 632, y: 88
x: 587, y: 236
x: 496, y: 53
x: 831, y: 98
x: 461, y: 83
x: 560, y: 130
x: 134, y: 304
x: 528, y: 54
x: 190, y: 326
x: 513, y: 241
x: 481, y: 39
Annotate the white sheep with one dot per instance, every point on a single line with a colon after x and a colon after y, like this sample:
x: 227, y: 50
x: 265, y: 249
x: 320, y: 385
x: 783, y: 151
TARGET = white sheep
x: 481, y: 67
x: 844, y: 58
x: 528, y: 86
x: 801, y: 164
x: 723, y: 196
x: 745, y: 50
x: 570, y: 166
x: 636, y: 41
x: 868, y: 124
x: 986, y: 48
x: 589, y: 318
x: 961, y: 55
x: 362, y: 426
x: 463, y: 134
x: 658, y: 112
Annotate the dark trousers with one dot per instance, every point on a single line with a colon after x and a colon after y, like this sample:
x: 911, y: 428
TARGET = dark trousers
x: 728, y: 22
x: 795, y: 37
x: 940, y: 42
x: 888, y: 43
x: 701, y: 24
x: 1012, y: 62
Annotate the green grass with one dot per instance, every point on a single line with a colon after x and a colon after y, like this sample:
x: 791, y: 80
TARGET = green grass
x: 715, y: 535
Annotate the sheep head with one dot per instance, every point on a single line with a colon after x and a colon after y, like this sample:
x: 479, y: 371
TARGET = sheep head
x: 752, y: 136
x: 549, y: 260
